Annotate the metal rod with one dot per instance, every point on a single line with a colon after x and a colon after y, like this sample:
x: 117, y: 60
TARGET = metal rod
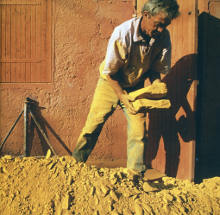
x: 42, y: 132
x: 13, y: 126
x: 26, y: 110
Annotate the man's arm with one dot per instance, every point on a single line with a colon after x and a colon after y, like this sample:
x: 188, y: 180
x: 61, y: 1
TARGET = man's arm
x: 153, y: 76
x: 122, y: 94
x: 116, y: 57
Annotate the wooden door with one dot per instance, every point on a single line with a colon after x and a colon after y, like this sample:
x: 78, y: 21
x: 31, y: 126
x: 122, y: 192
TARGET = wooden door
x: 171, y: 134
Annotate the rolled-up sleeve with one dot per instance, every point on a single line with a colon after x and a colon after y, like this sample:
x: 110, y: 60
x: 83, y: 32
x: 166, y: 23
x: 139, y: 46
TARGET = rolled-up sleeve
x: 116, y: 54
x: 162, y: 62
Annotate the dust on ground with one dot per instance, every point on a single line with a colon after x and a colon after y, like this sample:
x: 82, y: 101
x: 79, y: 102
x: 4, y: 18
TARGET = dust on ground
x: 60, y: 186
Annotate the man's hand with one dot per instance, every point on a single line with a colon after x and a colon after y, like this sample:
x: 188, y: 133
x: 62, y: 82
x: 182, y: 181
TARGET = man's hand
x: 126, y: 101
x: 158, y: 87
x: 122, y: 94
x: 156, y: 81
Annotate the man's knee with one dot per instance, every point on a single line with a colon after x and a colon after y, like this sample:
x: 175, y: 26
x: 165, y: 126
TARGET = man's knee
x: 137, y: 130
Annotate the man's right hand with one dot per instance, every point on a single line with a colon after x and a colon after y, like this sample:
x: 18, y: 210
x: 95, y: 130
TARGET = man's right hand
x: 126, y: 101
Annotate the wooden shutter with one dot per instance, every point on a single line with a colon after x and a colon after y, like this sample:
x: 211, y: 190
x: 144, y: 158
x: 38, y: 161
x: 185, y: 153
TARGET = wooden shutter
x: 25, y: 41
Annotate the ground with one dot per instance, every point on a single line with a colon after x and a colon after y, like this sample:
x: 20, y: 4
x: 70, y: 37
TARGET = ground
x: 60, y: 186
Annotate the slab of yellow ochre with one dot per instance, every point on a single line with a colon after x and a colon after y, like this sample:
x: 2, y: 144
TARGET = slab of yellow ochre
x: 151, y: 104
x: 157, y: 90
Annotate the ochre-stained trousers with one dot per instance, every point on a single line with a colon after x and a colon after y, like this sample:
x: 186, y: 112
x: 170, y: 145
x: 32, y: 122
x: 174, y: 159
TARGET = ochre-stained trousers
x: 103, y: 105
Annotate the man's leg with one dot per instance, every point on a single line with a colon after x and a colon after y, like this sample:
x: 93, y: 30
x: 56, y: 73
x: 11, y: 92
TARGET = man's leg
x: 104, y: 103
x: 136, y: 139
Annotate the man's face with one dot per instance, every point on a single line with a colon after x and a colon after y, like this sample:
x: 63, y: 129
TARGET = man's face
x: 153, y: 26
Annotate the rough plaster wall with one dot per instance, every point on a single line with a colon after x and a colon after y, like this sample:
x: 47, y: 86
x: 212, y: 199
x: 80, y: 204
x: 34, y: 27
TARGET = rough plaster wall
x: 81, y: 32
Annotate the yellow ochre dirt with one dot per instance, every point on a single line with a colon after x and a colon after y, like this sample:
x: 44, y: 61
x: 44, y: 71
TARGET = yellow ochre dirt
x: 60, y: 186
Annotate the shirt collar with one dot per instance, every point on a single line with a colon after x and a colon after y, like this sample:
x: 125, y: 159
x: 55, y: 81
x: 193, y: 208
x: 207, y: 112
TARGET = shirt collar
x: 137, y: 36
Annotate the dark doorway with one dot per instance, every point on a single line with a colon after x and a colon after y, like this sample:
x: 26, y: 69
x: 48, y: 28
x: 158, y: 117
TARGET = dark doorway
x: 208, y: 106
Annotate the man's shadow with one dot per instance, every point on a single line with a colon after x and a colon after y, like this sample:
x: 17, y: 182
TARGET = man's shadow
x: 163, y: 123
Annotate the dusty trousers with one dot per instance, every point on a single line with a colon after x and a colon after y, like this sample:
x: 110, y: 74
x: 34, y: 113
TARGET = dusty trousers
x: 103, y: 105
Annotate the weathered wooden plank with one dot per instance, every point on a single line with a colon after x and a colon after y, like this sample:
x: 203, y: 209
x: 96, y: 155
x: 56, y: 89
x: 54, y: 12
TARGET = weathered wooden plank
x: 3, y: 40
x: 20, y: 2
x: 38, y: 67
x: 139, y: 6
x: 19, y: 77
x: 27, y: 60
x: 48, y: 75
x: 7, y: 32
x: 2, y: 67
x: 28, y: 42
x: 13, y: 42
x: 8, y: 44
x: 33, y: 43
x: 203, y: 6
x: 214, y: 8
x: 23, y: 31
x: 44, y: 25
x: 23, y: 41
x: 1, y: 31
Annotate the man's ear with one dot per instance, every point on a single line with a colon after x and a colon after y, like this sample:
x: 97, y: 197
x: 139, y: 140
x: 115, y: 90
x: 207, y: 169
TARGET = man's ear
x: 145, y: 13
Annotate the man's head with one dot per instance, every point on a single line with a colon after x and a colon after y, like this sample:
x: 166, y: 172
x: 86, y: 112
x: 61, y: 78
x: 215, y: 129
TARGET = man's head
x: 157, y: 15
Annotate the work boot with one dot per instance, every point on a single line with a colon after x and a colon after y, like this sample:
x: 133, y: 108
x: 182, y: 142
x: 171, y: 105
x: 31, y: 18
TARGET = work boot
x: 153, y: 175
x: 132, y: 174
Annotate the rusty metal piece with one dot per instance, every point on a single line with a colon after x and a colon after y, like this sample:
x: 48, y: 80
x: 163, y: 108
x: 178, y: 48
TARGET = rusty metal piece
x: 26, y: 119
x: 13, y: 126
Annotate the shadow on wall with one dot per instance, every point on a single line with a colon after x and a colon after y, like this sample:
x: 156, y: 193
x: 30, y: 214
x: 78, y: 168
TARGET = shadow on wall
x: 163, y: 123
x: 32, y: 147
x: 208, y: 120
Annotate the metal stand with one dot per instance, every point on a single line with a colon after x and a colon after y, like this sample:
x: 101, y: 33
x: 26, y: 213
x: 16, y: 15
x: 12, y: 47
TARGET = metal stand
x: 28, y: 107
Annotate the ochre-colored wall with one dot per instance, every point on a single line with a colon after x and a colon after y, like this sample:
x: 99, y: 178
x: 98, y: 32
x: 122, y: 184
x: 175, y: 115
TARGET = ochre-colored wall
x: 81, y: 30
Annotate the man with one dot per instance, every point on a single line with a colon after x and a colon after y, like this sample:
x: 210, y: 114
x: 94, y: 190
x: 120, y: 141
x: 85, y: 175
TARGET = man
x: 138, y: 49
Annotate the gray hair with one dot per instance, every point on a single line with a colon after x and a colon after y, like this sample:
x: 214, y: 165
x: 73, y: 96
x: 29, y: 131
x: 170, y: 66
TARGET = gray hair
x: 169, y: 7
